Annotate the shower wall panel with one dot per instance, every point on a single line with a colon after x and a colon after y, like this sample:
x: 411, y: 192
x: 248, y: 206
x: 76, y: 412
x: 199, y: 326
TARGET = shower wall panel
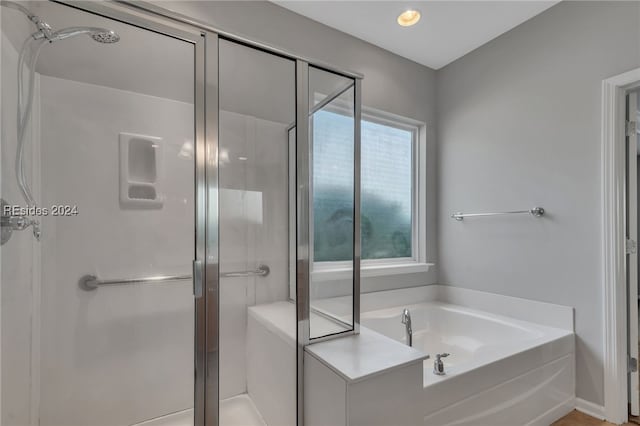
x: 20, y: 253
x: 253, y: 231
x: 120, y: 354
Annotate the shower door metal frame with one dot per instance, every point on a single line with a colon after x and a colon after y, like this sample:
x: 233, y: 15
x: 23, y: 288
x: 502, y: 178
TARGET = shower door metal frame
x: 209, y: 407
x: 304, y: 204
x: 303, y: 228
x: 205, y: 39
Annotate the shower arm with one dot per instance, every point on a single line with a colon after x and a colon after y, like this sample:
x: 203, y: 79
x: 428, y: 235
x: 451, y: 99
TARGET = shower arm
x: 44, y: 30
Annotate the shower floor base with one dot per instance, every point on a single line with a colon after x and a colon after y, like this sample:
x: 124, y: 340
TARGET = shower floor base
x: 235, y: 411
x: 240, y: 411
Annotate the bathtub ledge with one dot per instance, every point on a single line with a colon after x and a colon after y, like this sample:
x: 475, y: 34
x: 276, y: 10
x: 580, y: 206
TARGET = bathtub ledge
x: 359, y: 357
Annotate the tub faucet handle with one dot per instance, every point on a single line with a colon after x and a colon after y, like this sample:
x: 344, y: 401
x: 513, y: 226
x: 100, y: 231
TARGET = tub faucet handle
x: 438, y: 365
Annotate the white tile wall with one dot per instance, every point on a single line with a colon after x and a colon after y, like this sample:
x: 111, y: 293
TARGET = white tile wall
x: 18, y: 254
x: 123, y: 354
x: 131, y: 347
x: 253, y: 231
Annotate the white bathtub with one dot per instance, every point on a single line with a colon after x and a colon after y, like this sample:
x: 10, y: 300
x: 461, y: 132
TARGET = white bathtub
x: 500, y: 371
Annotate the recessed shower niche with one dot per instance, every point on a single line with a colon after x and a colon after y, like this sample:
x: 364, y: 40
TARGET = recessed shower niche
x: 140, y: 171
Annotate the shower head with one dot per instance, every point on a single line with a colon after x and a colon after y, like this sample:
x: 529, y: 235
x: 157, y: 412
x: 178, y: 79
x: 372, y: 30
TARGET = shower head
x: 101, y: 35
x: 106, y: 36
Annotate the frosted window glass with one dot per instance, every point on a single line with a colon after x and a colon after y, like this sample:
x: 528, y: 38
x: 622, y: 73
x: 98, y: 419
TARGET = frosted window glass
x: 333, y: 190
x: 386, y: 196
x: 386, y: 199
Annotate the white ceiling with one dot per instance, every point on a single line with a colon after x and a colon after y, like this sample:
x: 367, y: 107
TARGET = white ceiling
x: 447, y: 30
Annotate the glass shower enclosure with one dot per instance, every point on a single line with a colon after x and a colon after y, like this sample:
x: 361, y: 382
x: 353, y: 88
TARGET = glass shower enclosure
x: 174, y: 228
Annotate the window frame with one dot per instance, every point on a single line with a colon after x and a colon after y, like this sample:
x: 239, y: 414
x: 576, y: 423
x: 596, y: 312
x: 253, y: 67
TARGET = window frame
x: 335, y: 270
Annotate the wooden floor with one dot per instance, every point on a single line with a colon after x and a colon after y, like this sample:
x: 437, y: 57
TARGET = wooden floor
x: 576, y: 418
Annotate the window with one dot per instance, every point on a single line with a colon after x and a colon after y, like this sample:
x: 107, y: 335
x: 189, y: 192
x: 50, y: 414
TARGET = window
x: 389, y: 191
x: 332, y: 186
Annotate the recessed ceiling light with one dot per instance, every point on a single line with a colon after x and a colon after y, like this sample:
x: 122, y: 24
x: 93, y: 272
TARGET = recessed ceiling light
x: 408, y: 18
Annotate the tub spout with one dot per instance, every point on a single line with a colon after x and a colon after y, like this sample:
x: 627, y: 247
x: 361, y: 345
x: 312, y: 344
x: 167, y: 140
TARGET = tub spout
x: 406, y: 320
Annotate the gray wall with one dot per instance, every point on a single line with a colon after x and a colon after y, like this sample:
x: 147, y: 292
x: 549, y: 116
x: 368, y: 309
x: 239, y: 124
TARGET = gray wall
x: 519, y: 126
x: 392, y: 83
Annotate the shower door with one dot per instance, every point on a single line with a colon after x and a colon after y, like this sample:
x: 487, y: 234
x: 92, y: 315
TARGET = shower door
x: 275, y: 114
x: 257, y: 373
x: 98, y: 311
x: 157, y: 225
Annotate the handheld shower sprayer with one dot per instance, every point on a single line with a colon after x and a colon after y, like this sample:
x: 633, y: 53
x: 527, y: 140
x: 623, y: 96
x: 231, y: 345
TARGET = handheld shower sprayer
x: 101, y: 35
x: 28, y: 58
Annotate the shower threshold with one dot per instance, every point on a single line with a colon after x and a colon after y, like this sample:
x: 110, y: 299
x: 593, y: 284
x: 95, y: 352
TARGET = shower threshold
x: 238, y: 410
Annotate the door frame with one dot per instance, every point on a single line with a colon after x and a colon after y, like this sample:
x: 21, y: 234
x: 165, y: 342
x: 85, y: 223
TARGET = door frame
x: 613, y: 193
x: 631, y: 104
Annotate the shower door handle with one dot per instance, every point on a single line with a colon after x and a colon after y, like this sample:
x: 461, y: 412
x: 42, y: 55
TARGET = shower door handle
x: 198, y: 277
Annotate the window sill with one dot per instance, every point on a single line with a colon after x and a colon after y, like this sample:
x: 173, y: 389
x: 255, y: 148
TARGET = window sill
x: 367, y: 271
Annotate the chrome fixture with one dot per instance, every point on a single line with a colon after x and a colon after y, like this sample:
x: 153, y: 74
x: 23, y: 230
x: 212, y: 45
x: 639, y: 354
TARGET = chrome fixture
x: 101, y: 35
x: 28, y: 58
x: 44, y: 30
x: 262, y: 271
x: 406, y: 320
x: 91, y: 282
x: 9, y: 223
x: 535, y: 212
x: 42, y: 26
x: 438, y: 365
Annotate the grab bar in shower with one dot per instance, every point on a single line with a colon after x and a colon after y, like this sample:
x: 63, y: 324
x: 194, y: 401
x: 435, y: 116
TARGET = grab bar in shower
x: 91, y: 282
x: 535, y: 212
x: 262, y: 271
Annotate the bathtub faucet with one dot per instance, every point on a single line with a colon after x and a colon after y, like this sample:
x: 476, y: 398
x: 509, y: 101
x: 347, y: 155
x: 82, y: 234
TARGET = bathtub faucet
x: 406, y: 320
x: 438, y: 365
